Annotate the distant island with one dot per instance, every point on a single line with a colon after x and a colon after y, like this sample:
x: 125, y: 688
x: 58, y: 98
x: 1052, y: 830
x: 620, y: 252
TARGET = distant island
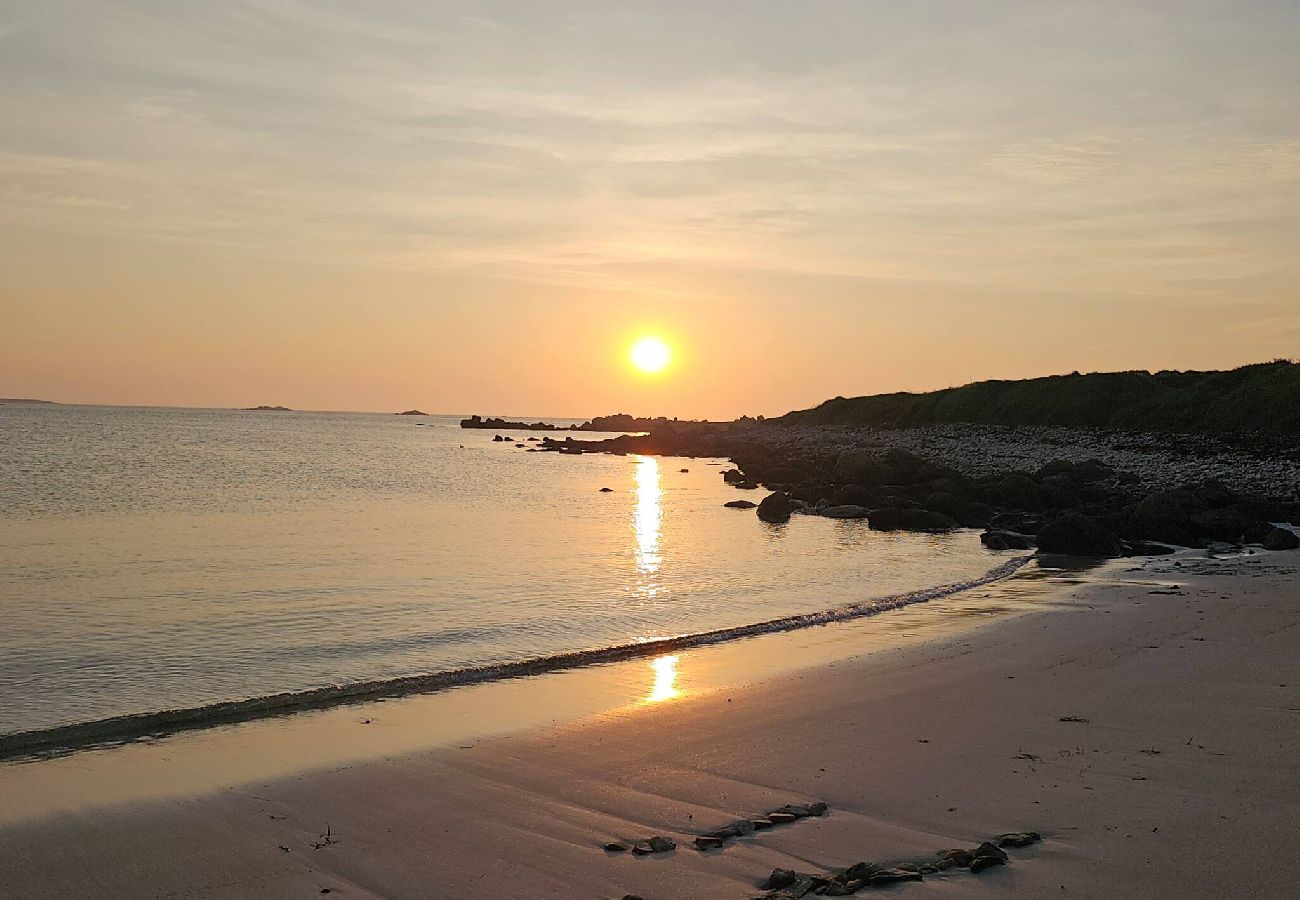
x: 619, y: 422
x: 266, y: 409
x: 19, y: 401
x: 413, y: 412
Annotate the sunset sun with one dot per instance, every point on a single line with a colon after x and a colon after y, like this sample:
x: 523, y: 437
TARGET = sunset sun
x: 650, y: 355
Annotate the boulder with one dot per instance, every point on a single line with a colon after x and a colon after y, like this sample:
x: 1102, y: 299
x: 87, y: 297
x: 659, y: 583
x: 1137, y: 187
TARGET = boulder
x: 847, y: 511
x: 1281, y: 539
x: 1231, y: 525
x: 1077, y: 535
x: 1019, y: 491
x: 1146, y: 548
x: 1166, y: 516
x: 862, y: 467
x: 894, y: 519
x: 775, y: 508
x: 1007, y: 540
x: 740, y: 504
x: 851, y: 495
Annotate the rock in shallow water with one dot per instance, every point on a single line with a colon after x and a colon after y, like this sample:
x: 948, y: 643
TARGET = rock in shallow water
x: 775, y: 508
x: 740, y: 504
x: 897, y: 519
x: 1077, y: 535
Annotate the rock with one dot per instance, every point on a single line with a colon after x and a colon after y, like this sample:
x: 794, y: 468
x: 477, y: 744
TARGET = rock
x: 894, y: 519
x: 733, y: 476
x: 496, y: 438
x: 413, y: 412
x: 656, y: 844
x: 818, y: 809
x: 861, y: 871
x: 617, y: 847
x: 991, y: 850
x: 800, y: 887
x: 1021, y: 523
x: 1019, y: 491
x: 889, y: 876
x: 684, y: 471
x: 958, y: 857
x: 862, y: 467
x: 740, y: 504
x: 709, y: 842
x: 1281, y: 539
x: 607, y: 490
x: 1007, y: 540
x: 781, y: 818
x: 1166, y: 516
x: 1231, y: 525
x: 1146, y: 548
x: 984, y: 862
x: 780, y: 878
x: 846, y: 511
x: 851, y: 495
x: 775, y: 508
x: 633, y: 897
x: 761, y: 822
x: 1077, y: 535
x: 1017, y: 839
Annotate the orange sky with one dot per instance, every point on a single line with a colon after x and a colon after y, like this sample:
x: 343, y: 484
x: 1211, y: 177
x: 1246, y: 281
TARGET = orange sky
x: 476, y: 207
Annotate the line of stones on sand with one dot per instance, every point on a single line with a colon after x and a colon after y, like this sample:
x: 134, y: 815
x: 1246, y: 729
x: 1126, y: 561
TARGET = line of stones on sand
x: 786, y: 884
x: 713, y: 840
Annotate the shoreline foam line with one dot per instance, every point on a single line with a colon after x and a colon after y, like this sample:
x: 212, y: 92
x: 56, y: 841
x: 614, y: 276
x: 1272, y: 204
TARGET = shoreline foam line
x: 136, y: 726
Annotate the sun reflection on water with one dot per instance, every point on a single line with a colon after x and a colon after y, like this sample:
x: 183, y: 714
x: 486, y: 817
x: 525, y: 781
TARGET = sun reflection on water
x: 646, y: 521
x: 665, y: 669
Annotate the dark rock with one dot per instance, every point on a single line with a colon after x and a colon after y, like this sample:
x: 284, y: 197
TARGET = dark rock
x: 617, y: 847
x: 1281, y: 539
x: 1007, y: 540
x: 863, y: 467
x: 740, y: 504
x: 910, y: 520
x: 656, y: 844
x: 889, y: 876
x: 861, y: 871
x: 761, y: 822
x: 1077, y: 535
x: 958, y: 857
x: 1021, y: 523
x: 1231, y: 525
x: 1146, y: 548
x: 607, y: 490
x: 984, y: 862
x: 844, y: 512
x: 1166, y: 516
x: 800, y: 887
x: 775, y: 508
x: 1019, y: 491
x: 747, y: 486
x: 780, y: 878
x: 708, y: 842
x: 851, y: 495
x: 1017, y: 839
x: 781, y: 818
x: 818, y: 808
x: 989, y: 850
x: 733, y: 476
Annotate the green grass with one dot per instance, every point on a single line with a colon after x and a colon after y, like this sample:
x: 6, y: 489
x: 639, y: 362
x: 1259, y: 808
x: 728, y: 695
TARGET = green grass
x: 1262, y: 398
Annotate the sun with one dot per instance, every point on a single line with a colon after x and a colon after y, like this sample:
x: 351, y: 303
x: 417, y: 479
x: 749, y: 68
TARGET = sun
x: 650, y: 355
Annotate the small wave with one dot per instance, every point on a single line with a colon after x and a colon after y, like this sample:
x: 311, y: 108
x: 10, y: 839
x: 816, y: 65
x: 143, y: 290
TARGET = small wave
x: 136, y: 726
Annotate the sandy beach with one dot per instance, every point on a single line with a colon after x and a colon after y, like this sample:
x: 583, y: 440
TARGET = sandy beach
x: 1144, y: 723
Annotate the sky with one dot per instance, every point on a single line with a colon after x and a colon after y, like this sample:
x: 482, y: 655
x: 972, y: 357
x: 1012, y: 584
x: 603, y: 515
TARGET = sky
x: 478, y: 206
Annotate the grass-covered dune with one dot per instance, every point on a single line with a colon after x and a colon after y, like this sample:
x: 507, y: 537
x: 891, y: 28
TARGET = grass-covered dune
x: 1262, y: 398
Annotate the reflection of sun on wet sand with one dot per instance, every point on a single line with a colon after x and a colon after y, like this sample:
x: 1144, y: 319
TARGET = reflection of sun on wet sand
x: 664, y: 687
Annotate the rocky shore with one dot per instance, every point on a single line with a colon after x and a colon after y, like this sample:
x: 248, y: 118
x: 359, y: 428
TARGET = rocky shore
x: 1072, y: 491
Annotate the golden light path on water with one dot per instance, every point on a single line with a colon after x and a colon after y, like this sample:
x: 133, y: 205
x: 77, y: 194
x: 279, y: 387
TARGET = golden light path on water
x: 646, y: 521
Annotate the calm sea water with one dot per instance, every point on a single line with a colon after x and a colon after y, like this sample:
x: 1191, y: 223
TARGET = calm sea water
x: 160, y: 558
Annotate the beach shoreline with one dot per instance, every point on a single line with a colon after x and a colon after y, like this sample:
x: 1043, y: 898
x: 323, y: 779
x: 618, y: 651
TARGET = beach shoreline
x: 1177, y: 781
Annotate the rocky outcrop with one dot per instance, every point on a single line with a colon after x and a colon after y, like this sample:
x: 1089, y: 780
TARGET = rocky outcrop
x: 1007, y: 540
x: 775, y: 508
x: 1281, y: 539
x: 910, y: 520
x: 1077, y: 535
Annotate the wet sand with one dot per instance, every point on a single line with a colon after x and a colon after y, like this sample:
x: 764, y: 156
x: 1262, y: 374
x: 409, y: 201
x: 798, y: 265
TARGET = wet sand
x: 1182, y: 781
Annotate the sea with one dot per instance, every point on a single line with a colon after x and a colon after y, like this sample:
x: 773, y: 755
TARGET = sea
x: 161, y: 559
